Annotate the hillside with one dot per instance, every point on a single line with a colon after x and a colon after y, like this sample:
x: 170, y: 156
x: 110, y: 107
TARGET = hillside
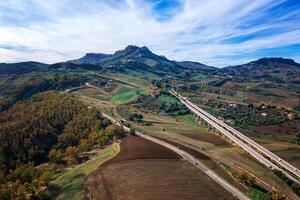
x: 48, y: 127
x: 140, y: 59
x: 20, y: 68
x: 279, y: 70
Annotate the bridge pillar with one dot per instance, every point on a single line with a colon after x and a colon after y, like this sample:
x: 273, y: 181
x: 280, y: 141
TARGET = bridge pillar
x: 214, y: 130
x: 201, y: 121
x: 209, y: 127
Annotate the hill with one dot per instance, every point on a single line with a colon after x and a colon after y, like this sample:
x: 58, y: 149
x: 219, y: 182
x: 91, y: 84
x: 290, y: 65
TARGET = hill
x: 90, y: 58
x: 20, y: 68
x: 279, y: 70
x: 140, y: 59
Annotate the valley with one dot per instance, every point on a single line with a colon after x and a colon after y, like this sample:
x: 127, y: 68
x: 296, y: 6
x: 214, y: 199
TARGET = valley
x: 92, y: 158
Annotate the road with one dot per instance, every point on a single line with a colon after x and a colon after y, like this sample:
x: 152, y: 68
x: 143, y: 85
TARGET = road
x: 86, y: 85
x: 254, y: 149
x: 114, y: 79
x: 190, y: 159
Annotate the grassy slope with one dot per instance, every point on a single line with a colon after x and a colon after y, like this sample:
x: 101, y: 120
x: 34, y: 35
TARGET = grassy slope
x: 188, y: 118
x: 125, y: 95
x: 70, y: 181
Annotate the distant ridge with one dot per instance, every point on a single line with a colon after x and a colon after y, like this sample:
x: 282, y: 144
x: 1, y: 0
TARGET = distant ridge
x: 20, y: 68
x: 272, y: 69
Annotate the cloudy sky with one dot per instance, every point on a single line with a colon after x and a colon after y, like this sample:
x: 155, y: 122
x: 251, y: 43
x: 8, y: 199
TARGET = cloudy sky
x: 213, y: 32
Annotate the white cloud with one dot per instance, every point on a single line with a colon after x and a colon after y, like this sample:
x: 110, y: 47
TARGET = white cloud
x: 64, y: 29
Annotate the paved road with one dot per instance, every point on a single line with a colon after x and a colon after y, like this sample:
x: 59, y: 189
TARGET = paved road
x: 114, y: 79
x: 240, y: 139
x: 190, y: 159
x: 86, y: 85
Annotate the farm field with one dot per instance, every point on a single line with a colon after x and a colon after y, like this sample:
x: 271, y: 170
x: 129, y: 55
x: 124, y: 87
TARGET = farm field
x: 125, y: 95
x: 186, y: 131
x: 149, y: 170
x: 204, y: 141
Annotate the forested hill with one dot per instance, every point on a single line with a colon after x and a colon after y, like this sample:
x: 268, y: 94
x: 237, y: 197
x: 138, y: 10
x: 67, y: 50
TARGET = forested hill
x: 48, y: 126
x: 20, y: 68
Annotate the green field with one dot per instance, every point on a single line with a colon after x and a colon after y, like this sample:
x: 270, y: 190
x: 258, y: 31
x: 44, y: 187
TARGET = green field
x: 167, y: 99
x: 199, y: 77
x: 258, y: 193
x: 240, y: 96
x: 70, y: 180
x: 126, y: 95
x: 189, y: 118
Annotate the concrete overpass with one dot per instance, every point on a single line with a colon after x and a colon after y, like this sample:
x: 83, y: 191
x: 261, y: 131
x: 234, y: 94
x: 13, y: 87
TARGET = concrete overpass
x: 260, y: 153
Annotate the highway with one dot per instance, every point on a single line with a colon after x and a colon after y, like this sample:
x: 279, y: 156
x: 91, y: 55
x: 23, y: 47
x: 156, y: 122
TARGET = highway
x: 188, y: 157
x: 254, y: 149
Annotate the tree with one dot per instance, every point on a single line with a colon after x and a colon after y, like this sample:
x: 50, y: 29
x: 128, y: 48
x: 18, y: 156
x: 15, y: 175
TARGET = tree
x: 132, y: 131
x: 55, y: 155
x: 71, y: 151
x: 297, y: 138
x: 276, y: 195
x: 296, y: 188
x: 246, y: 178
x: 135, y: 117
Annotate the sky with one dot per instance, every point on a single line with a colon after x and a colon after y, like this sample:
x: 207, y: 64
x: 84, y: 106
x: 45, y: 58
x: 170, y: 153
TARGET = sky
x: 213, y: 32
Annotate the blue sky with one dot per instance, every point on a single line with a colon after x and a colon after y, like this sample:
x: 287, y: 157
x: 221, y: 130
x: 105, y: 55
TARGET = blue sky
x: 213, y: 32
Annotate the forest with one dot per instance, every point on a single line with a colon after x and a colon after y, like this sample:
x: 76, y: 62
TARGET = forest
x: 39, y: 84
x: 48, y: 127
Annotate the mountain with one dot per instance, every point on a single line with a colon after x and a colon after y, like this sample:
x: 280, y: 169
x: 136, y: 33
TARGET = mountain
x: 140, y: 59
x: 90, y: 58
x: 20, y: 68
x: 269, y: 69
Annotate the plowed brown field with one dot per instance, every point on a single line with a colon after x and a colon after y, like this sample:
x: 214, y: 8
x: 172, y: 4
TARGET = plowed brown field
x: 144, y: 170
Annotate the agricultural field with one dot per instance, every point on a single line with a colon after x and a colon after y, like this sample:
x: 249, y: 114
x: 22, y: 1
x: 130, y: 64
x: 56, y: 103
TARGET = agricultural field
x: 126, y: 95
x: 147, y: 169
x: 196, y: 137
x: 184, y: 130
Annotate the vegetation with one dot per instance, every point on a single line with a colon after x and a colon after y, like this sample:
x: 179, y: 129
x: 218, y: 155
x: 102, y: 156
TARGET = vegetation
x: 276, y: 195
x: 246, y: 178
x: 51, y: 126
x: 250, y: 115
x: 135, y: 117
x: 38, y: 84
x: 187, y: 118
x: 132, y: 131
x: 297, y: 138
x: 162, y: 103
x: 297, y: 108
x: 25, y: 182
x: 295, y: 186
x: 70, y: 180
x: 125, y: 95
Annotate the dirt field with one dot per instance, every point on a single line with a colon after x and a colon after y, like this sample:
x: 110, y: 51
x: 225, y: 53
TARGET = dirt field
x: 133, y: 147
x: 216, y: 140
x: 272, y: 100
x: 144, y: 170
x: 287, y: 128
